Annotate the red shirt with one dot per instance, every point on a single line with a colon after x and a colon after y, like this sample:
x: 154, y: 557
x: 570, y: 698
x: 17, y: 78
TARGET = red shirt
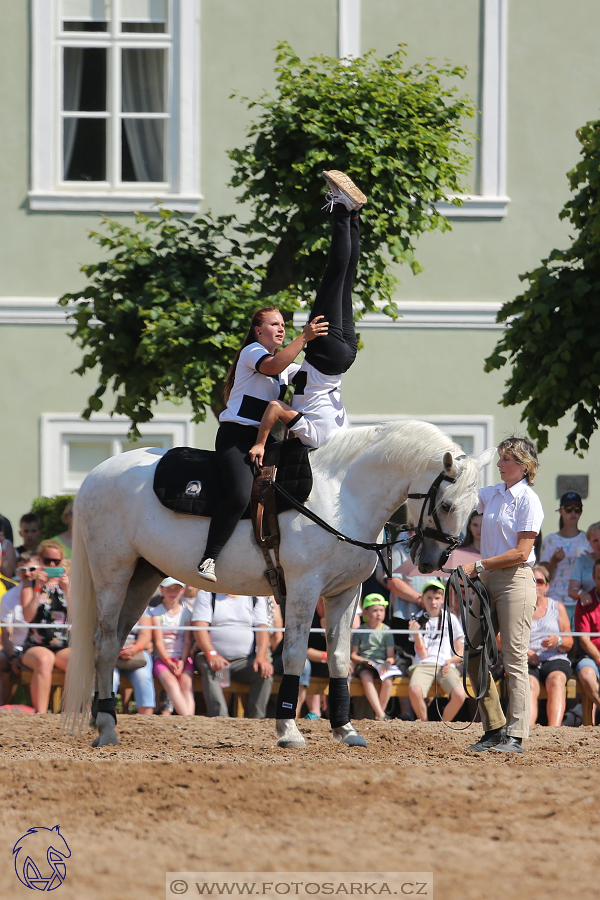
x: 587, y: 618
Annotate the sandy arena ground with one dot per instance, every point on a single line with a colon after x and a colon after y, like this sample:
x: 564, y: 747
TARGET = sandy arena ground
x: 217, y: 795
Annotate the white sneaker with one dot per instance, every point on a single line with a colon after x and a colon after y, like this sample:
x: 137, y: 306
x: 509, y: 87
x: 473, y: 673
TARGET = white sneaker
x: 343, y: 190
x: 206, y: 570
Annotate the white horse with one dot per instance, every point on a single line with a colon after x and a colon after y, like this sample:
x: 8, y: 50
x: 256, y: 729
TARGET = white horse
x: 125, y: 541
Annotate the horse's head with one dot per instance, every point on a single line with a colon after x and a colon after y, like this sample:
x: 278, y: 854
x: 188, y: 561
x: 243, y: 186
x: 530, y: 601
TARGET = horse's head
x: 440, y: 502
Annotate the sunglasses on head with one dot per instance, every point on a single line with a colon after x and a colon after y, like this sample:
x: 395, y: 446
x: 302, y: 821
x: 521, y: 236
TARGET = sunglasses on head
x: 572, y: 509
x: 540, y: 581
x: 51, y: 562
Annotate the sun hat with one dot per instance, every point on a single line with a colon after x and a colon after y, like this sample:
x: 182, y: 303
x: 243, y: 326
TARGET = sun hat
x: 374, y: 600
x: 436, y: 584
x: 167, y: 582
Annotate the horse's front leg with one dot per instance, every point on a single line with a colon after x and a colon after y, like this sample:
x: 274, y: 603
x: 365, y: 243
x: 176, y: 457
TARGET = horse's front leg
x: 339, y: 613
x: 298, y: 618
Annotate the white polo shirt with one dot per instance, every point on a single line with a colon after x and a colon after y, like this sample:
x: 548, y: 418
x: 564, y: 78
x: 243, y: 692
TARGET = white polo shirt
x: 506, y: 511
x: 241, y: 611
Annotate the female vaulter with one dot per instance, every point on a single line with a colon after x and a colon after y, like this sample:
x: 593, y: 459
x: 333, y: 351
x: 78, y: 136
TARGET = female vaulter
x: 261, y: 372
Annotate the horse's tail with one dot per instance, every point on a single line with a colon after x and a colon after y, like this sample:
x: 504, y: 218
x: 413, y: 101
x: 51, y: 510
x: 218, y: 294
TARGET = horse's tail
x: 79, y: 681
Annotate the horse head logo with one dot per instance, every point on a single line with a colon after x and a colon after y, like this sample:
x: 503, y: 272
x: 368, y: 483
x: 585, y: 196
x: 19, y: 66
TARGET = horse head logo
x: 193, y: 489
x: 40, y: 858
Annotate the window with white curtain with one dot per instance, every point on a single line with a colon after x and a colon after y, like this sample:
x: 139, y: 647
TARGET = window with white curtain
x: 115, y: 118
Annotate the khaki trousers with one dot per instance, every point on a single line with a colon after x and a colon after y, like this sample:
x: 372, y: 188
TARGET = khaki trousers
x: 512, y: 603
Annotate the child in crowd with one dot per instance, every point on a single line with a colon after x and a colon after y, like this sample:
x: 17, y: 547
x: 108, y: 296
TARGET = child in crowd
x: 434, y: 658
x: 373, y: 654
x: 30, y: 529
x: 172, y: 664
x: 15, y: 628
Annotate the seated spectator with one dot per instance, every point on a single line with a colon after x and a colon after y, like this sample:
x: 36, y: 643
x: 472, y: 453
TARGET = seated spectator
x: 434, y: 659
x: 44, y: 599
x: 6, y: 583
x: 587, y: 619
x: 561, y: 549
x: 374, y: 653
x: 547, y: 661
x: 470, y: 549
x: 30, y: 530
x: 581, y: 579
x: 6, y: 529
x: 137, y: 646
x: 65, y: 538
x: 233, y: 652
x: 15, y: 629
x: 8, y: 562
x: 173, y: 665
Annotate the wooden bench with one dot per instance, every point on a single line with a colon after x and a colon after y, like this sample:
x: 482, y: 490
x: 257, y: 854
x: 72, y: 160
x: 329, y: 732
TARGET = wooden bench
x: 316, y: 686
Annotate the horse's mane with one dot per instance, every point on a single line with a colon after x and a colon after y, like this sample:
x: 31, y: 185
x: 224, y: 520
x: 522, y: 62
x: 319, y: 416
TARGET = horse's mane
x: 411, y: 443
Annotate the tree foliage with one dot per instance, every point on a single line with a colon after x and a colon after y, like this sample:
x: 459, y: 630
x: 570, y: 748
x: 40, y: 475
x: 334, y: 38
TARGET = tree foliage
x: 164, y: 315
x: 551, y: 339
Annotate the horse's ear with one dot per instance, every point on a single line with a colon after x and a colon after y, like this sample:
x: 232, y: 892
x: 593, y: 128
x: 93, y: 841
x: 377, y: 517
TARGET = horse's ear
x: 485, y: 458
x: 448, y: 461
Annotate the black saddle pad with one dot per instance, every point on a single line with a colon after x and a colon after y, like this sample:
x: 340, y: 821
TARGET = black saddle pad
x: 188, y: 480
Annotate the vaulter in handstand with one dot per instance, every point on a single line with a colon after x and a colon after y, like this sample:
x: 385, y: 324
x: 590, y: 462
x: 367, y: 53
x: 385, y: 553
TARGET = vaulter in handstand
x: 317, y: 411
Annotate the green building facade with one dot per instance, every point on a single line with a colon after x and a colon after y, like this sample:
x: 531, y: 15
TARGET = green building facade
x: 90, y: 128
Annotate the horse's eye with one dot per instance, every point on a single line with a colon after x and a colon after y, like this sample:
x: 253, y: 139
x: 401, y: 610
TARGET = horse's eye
x: 446, y: 507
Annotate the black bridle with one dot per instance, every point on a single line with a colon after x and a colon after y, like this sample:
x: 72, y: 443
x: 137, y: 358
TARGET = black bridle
x: 416, y: 540
x: 437, y: 533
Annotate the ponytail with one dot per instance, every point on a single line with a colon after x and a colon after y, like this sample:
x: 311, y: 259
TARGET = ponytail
x: 257, y: 319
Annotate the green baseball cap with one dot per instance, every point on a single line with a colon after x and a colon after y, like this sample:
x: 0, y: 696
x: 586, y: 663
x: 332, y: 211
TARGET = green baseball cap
x: 436, y: 584
x: 374, y: 600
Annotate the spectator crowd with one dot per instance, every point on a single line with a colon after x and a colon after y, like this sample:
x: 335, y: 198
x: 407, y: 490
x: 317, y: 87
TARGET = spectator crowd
x: 223, y: 638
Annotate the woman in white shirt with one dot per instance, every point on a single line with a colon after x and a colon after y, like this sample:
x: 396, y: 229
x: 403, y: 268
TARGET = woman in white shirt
x: 512, y: 518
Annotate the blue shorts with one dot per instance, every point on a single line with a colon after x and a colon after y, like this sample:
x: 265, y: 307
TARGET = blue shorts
x: 587, y: 661
x: 142, y: 681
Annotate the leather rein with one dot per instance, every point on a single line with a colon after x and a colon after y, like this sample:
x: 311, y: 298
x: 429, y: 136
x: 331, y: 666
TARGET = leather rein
x: 416, y: 540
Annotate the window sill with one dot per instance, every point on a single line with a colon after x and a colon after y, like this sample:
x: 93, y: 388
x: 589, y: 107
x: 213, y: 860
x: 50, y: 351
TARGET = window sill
x: 109, y: 201
x: 475, y: 207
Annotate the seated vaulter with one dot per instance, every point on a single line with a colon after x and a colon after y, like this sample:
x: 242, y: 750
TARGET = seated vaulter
x: 260, y: 371
x: 317, y: 411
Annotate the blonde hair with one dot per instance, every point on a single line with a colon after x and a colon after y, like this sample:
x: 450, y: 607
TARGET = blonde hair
x: 595, y: 526
x: 544, y: 572
x: 524, y: 452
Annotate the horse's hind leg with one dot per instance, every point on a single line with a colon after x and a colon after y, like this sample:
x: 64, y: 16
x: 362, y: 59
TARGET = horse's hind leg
x: 339, y: 613
x: 119, y: 608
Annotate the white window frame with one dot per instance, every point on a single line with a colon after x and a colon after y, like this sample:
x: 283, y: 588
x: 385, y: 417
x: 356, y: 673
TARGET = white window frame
x: 480, y: 428
x: 48, y: 191
x: 493, y: 201
x: 54, y: 427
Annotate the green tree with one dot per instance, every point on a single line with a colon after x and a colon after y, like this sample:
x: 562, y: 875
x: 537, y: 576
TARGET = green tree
x: 163, y: 316
x: 551, y: 337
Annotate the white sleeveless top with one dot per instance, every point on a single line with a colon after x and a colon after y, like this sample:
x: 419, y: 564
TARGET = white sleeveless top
x: 252, y: 391
x: 541, y: 628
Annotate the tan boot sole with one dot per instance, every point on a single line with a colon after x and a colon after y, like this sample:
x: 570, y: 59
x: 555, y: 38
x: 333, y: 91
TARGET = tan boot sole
x: 341, y: 181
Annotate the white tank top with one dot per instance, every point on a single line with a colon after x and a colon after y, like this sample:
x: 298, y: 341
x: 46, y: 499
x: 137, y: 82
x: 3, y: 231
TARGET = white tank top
x: 541, y: 628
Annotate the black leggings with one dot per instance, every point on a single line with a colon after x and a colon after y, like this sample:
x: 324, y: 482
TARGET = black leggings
x: 335, y: 353
x: 232, y: 444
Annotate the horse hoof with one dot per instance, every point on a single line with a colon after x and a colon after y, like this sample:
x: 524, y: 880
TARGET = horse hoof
x: 292, y: 743
x: 289, y: 736
x: 354, y: 740
x: 106, y: 727
x: 349, y: 735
